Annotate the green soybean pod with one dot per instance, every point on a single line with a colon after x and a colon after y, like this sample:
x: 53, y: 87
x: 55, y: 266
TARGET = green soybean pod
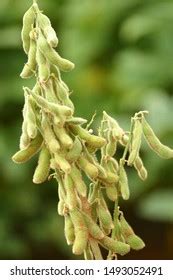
x: 60, y: 207
x: 110, y: 178
x: 25, y: 154
x: 76, y: 120
x: 78, y: 181
x: 115, y: 246
x: 123, y: 182
x: 28, y: 21
x: 105, y: 217
x: 63, y: 94
x: 139, y: 166
x: 154, y: 143
x: 111, y: 147
x: 69, y: 230
x: 61, y: 163
x: 111, y: 192
x: 90, y: 169
x: 24, y: 138
x: 49, y: 135
x: 92, y: 140
x: 80, y: 242
x: 136, y: 141
x: 71, y: 198
x: 43, y: 67
x: 131, y: 238
x: 31, y: 120
x: 75, y: 151
x: 42, y: 170
x: 49, y: 32
x: 63, y: 137
x: 93, y: 228
x: 52, y: 56
x: 30, y: 66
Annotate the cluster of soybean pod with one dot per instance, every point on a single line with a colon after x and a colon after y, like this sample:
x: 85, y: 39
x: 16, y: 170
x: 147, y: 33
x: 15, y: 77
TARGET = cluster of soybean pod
x: 84, y: 164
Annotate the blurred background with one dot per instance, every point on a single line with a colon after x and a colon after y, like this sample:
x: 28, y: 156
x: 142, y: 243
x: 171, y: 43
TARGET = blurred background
x: 123, y: 51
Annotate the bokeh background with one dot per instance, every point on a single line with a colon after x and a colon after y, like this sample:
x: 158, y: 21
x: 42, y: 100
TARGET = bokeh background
x: 123, y: 51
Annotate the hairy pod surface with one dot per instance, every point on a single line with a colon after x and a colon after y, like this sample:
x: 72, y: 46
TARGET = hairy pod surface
x: 42, y: 170
x: 27, y: 153
x: 154, y: 143
x: 28, y: 21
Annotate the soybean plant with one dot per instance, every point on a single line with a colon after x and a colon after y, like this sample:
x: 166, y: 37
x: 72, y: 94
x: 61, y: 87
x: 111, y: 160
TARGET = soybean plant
x: 68, y: 150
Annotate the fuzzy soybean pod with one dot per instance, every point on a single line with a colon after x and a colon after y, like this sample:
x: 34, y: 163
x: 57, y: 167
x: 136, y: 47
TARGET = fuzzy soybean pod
x: 136, y: 141
x: 31, y: 119
x: 30, y: 66
x: 25, y: 154
x: 61, y: 163
x: 42, y: 170
x: 71, y: 196
x: 63, y: 94
x: 123, y: 182
x: 112, y: 192
x: 93, y: 228
x: 49, y: 32
x: 90, y: 169
x: 28, y: 21
x: 78, y: 181
x: 76, y: 120
x: 51, y: 107
x: 154, y: 143
x: 139, y: 166
x: 131, y: 238
x: 81, y: 232
x: 69, y: 230
x: 105, y: 217
x: 111, y: 147
x: 75, y: 151
x: 63, y: 137
x: 24, y: 138
x: 43, y: 66
x: 92, y: 140
x: 49, y: 135
x: 115, y: 246
x: 52, y: 56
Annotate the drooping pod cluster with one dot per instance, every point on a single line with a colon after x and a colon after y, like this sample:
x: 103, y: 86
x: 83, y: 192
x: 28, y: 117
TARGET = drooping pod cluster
x: 68, y: 151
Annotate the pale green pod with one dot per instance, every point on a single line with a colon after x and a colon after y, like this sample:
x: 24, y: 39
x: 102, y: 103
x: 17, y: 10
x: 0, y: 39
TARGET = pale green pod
x: 31, y: 119
x: 75, y: 151
x: 89, y: 168
x: 123, y: 182
x: 69, y: 230
x: 42, y: 170
x: 51, y: 107
x: 76, y: 120
x: 60, y: 207
x: 111, y: 147
x: 52, y: 56
x: 113, y: 165
x: 30, y: 66
x: 49, y: 92
x: 110, y: 178
x: 28, y: 21
x: 131, y: 238
x: 93, y: 228
x: 115, y: 246
x: 78, y: 181
x: 61, y: 163
x: 92, y: 140
x: 71, y: 197
x: 63, y: 137
x: 43, y: 67
x: 139, y: 166
x: 49, y: 136
x: 116, y: 130
x: 25, y: 154
x: 136, y: 141
x: 88, y: 254
x: 111, y: 192
x: 24, y: 138
x: 105, y: 217
x: 154, y: 143
x: 80, y: 242
x: 63, y: 94
x: 49, y: 32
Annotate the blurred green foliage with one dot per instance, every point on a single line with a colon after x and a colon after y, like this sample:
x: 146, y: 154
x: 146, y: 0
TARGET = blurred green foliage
x: 123, y: 51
